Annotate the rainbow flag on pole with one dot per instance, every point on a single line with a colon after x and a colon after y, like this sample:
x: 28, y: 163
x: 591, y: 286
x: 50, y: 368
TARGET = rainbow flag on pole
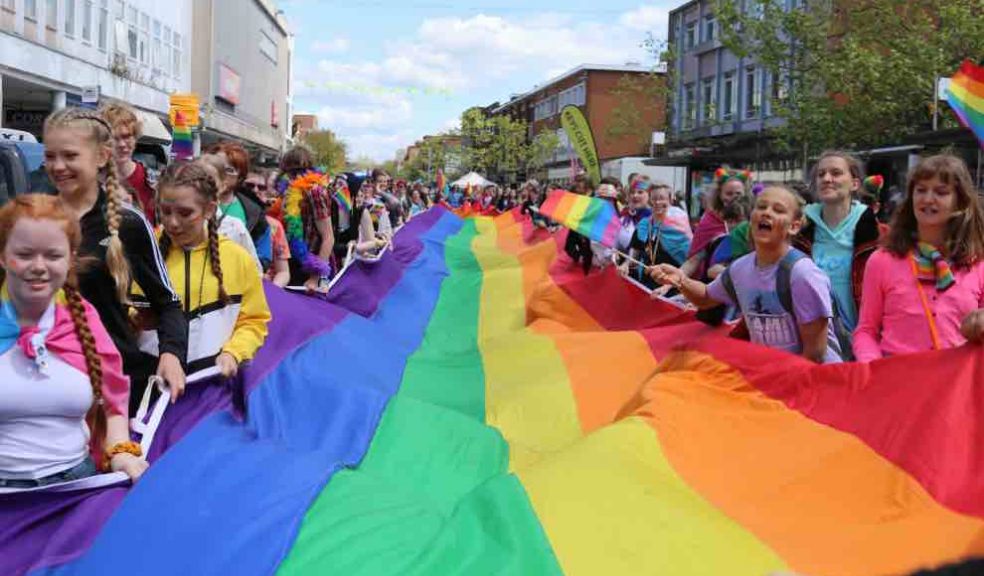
x: 592, y: 217
x: 182, y: 142
x: 523, y: 418
x: 966, y: 97
x: 344, y: 197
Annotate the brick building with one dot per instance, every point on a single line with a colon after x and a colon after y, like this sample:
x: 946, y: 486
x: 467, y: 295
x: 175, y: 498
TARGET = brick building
x: 302, y: 125
x: 595, y: 90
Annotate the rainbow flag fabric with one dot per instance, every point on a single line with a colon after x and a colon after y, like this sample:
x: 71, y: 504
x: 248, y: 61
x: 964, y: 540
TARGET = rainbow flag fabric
x: 182, y: 143
x: 473, y: 404
x: 592, y: 217
x: 344, y: 198
x: 966, y: 97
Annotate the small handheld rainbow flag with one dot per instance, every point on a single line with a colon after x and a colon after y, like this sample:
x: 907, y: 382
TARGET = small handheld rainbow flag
x: 441, y: 181
x: 592, y: 217
x: 182, y: 143
x: 344, y: 197
x: 966, y: 97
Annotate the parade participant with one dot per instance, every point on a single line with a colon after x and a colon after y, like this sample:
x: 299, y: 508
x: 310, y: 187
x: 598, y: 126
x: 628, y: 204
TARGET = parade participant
x: 126, y: 131
x: 374, y: 222
x: 840, y: 233
x: 240, y: 202
x: 232, y: 228
x: 660, y: 238
x: 315, y: 214
x: 381, y: 185
x: 63, y: 394
x: 343, y: 221
x: 402, y: 195
x: 924, y: 290
x: 119, y: 243
x: 278, y: 269
x: 221, y: 293
x: 729, y: 186
x: 637, y: 208
x: 795, y: 318
x: 417, y: 203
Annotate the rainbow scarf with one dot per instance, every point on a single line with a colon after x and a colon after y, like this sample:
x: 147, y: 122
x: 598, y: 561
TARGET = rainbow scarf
x: 595, y: 218
x: 932, y: 267
x: 522, y: 418
x: 966, y: 97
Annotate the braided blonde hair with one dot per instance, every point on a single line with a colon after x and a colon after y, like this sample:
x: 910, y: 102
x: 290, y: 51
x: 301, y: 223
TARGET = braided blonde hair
x: 101, y: 134
x: 198, y: 175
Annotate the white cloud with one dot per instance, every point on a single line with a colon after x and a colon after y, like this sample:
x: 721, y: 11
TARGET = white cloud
x: 647, y: 18
x: 336, y: 45
x: 370, y: 102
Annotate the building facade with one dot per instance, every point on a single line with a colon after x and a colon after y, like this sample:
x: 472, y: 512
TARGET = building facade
x: 302, y: 125
x: 55, y: 53
x: 595, y: 90
x: 242, y: 74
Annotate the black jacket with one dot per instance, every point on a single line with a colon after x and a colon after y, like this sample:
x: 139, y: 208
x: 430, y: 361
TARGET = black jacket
x: 256, y: 221
x: 148, y: 270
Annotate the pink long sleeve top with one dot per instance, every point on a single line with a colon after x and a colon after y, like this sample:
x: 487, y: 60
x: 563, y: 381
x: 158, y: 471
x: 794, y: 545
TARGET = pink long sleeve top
x: 892, y: 318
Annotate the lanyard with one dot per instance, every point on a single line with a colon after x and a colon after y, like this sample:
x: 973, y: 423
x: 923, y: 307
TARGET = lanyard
x: 933, y: 333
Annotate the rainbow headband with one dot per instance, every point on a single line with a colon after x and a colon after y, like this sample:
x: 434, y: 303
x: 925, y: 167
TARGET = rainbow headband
x: 722, y: 175
x: 297, y: 189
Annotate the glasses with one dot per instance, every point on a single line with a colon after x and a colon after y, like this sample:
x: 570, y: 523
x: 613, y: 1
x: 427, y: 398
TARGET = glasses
x: 256, y: 187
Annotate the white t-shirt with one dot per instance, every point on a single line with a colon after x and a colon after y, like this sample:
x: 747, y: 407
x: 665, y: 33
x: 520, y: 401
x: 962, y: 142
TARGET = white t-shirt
x: 42, y: 416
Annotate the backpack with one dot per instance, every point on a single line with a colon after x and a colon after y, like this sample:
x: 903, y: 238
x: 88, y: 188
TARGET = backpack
x: 841, y: 341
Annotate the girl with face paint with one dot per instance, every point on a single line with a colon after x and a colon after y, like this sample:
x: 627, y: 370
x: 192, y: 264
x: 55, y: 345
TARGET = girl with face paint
x: 220, y: 288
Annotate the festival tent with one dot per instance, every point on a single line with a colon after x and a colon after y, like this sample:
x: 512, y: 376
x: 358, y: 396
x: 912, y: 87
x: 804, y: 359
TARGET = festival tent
x: 473, y: 179
x: 474, y: 404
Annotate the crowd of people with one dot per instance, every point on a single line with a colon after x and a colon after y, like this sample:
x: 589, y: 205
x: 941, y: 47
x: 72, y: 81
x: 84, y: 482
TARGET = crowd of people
x: 126, y: 278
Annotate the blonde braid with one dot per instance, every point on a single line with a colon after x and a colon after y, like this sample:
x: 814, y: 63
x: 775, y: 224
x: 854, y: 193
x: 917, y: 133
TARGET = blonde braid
x: 102, y: 135
x: 119, y: 266
x: 97, y: 414
x: 213, y: 254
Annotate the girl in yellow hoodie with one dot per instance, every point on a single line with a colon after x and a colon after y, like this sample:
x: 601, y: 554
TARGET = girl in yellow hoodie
x: 220, y: 289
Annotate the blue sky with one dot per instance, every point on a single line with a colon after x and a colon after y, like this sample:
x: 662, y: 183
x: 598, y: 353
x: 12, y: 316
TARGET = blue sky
x: 383, y: 73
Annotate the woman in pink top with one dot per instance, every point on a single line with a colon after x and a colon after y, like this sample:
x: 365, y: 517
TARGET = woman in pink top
x: 925, y: 289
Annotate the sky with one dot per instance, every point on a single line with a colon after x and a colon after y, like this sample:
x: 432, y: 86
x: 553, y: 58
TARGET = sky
x: 381, y: 74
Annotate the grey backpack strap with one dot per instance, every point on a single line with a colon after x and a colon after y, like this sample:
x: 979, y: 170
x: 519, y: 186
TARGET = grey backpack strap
x: 729, y: 286
x: 784, y: 279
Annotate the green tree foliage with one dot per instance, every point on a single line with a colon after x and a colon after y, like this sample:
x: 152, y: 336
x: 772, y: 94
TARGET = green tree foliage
x: 329, y: 151
x: 498, y: 146
x: 441, y: 151
x: 854, y: 74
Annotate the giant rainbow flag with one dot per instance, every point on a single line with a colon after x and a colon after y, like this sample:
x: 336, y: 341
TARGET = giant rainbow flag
x: 474, y: 404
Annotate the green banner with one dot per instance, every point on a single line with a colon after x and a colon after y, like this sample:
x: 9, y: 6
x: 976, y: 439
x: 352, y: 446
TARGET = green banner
x: 579, y: 133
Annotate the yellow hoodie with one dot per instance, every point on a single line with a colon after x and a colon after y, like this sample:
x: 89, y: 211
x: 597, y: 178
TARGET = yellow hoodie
x: 238, y: 327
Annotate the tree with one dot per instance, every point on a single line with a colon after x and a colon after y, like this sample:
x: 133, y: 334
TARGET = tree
x: 433, y: 152
x: 328, y: 150
x: 853, y: 74
x: 498, y: 145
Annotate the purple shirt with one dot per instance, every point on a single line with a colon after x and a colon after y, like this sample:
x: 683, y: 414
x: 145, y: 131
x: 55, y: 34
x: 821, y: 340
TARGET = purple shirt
x: 768, y: 322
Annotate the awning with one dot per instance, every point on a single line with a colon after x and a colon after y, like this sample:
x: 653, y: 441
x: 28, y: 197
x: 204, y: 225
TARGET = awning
x: 153, y: 127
